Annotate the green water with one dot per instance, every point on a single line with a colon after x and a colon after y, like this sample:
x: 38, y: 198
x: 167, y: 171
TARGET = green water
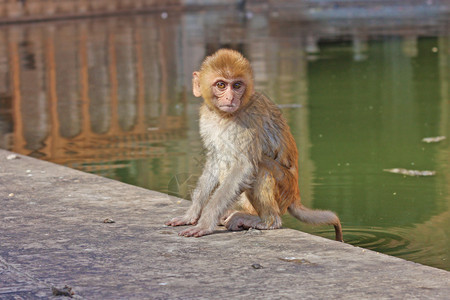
x: 371, y: 115
x: 112, y: 96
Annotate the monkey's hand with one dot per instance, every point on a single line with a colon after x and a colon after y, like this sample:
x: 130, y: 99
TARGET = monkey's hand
x: 196, y: 231
x: 180, y: 221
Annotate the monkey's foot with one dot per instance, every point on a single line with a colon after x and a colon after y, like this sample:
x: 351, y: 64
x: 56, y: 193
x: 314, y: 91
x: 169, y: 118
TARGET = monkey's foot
x: 241, y: 221
x: 223, y: 219
x: 196, y: 231
x: 180, y: 221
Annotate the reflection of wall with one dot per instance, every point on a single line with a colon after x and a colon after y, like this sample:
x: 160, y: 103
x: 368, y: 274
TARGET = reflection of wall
x: 125, y: 71
x: 96, y: 40
x: 32, y: 87
x: 5, y: 93
x: 81, y: 95
x: 4, y: 80
x: 151, y: 68
x: 67, y: 78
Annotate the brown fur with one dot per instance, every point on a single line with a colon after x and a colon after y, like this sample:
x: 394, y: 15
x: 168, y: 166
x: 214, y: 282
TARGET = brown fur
x: 251, y: 176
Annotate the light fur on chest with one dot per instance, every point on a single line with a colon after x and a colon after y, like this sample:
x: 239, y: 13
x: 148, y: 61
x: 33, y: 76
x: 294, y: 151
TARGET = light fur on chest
x: 226, y: 136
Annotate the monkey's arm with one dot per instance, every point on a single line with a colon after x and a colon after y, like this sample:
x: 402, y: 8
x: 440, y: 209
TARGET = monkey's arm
x: 237, y: 180
x: 205, y: 186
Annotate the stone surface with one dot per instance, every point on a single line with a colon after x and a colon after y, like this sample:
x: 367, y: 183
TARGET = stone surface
x: 52, y: 234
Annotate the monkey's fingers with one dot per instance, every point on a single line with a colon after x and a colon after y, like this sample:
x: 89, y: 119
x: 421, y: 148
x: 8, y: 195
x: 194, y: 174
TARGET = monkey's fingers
x: 195, y: 232
x: 180, y: 221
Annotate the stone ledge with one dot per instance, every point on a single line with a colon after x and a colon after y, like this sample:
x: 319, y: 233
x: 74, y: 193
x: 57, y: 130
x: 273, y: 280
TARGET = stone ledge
x: 53, y: 234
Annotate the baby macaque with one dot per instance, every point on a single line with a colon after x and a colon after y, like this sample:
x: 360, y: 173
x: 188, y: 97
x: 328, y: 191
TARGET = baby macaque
x: 250, y: 178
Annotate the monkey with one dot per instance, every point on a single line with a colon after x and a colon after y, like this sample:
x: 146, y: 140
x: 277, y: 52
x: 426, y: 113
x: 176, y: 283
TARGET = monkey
x: 250, y: 177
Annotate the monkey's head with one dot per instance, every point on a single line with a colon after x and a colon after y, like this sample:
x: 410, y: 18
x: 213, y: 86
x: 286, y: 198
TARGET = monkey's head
x: 225, y: 81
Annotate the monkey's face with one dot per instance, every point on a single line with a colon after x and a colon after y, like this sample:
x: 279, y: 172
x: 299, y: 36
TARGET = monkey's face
x: 225, y: 81
x: 227, y: 94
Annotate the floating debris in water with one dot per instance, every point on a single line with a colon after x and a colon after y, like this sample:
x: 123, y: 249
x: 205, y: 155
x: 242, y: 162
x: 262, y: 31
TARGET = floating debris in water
x: 410, y: 172
x: 435, y: 139
x: 109, y: 221
x: 290, y: 105
x: 12, y: 156
x: 257, y: 266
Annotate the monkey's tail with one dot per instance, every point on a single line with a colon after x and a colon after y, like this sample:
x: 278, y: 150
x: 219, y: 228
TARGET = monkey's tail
x: 316, y: 217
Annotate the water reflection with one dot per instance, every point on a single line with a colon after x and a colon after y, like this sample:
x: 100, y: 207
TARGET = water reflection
x: 84, y: 91
x: 111, y: 96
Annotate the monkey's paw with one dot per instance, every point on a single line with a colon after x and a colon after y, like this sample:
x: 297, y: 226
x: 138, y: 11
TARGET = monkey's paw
x: 196, y: 231
x: 180, y: 221
x: 241, y: 221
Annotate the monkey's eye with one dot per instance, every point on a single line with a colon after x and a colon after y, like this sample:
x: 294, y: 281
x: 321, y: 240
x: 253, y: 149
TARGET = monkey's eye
x: 237, y: 85
x: 220, y: 85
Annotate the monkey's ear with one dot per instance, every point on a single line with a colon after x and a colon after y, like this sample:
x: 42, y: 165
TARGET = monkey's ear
x: 196, y: 84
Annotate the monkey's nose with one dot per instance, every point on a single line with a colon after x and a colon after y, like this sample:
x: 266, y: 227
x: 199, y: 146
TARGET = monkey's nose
x: 229, y: 97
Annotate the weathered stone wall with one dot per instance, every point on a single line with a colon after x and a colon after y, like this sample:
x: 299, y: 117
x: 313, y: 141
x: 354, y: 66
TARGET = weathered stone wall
x: 29, y: 10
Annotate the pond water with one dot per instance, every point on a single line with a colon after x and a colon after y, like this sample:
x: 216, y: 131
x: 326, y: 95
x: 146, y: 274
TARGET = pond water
x: 111, y: 96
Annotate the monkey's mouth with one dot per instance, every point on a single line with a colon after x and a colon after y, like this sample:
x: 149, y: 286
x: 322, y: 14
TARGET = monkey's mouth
x: 228, y: 108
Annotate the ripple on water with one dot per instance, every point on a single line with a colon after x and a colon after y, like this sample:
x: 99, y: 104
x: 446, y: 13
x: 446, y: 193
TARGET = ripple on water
x: 395, y: 241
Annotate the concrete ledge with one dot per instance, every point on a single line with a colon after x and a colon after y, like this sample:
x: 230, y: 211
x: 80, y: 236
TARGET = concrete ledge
x: 52, y: 234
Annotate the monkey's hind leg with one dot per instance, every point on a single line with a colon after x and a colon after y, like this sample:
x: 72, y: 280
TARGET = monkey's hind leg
x: 241, y: 221
x: 261, y: 200
x: 242, y: 205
